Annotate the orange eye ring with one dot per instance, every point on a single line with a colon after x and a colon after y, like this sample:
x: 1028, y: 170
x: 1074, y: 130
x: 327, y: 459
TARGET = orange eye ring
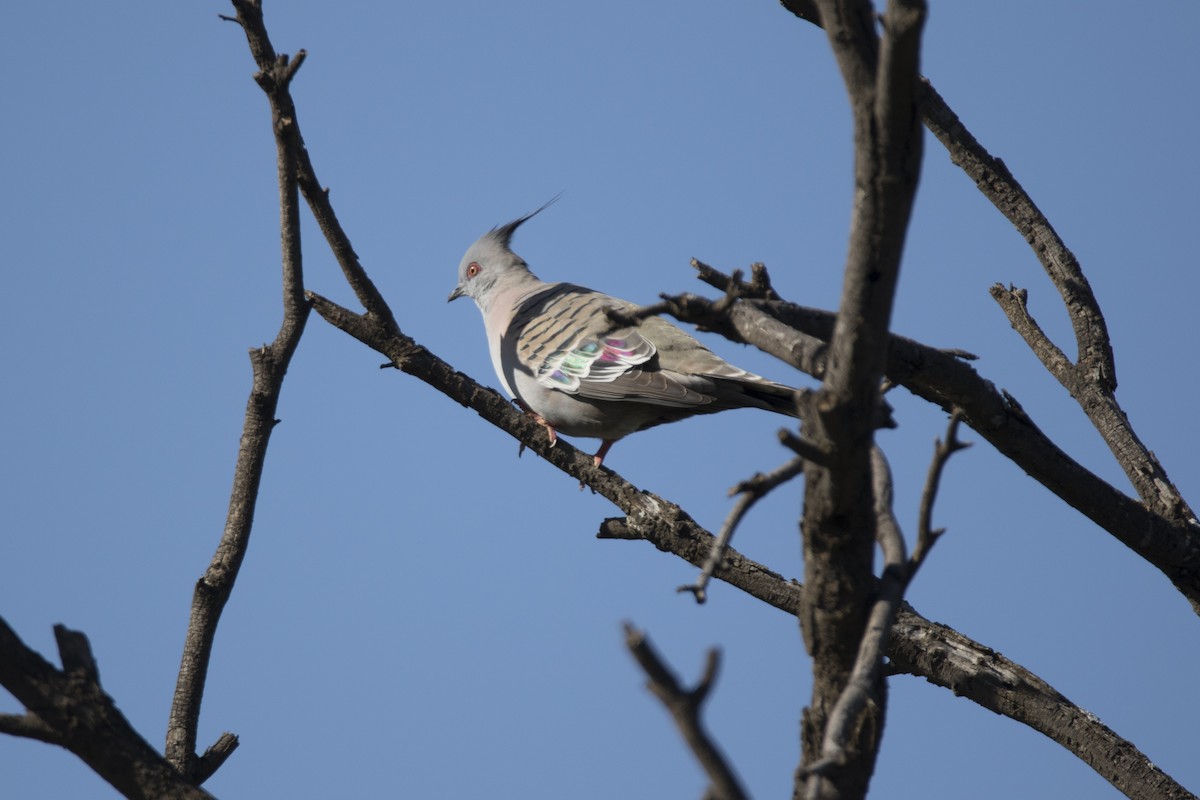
x: 473, y: 269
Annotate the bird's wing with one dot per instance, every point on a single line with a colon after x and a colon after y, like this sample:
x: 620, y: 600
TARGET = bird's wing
x: 563, y: 339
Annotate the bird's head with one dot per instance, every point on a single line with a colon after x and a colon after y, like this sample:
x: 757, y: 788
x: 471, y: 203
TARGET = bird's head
x: 490, y: 262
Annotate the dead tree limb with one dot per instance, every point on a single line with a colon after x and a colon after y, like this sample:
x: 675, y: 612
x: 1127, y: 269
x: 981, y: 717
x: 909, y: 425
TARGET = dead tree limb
x: 684, y: 706
x: 839, y: 525
x: 269, y: 364
x: 69, y: 708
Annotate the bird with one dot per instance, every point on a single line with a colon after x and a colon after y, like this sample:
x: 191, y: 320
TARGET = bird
x: 574, y: 371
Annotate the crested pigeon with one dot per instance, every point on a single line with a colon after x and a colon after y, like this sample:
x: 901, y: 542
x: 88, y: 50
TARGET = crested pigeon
x: 556, y: 352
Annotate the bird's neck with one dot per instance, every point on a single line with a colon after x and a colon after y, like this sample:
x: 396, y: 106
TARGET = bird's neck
x: 517, y: 285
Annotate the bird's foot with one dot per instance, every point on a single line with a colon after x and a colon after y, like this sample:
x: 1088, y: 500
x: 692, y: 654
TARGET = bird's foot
x: 536, y: 417
x: 598, y: 459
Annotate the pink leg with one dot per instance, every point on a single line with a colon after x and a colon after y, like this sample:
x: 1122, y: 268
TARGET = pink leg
x: 550, y: 432
x: 603, y: 451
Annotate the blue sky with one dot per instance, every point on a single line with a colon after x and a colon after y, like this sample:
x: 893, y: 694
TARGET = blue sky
x: 420, y: 613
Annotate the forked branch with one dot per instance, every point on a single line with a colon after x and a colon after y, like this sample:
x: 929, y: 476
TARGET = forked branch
x: 685, y: 706
x: 269, y: 364
x: 69, y: 708
x: 751, y: 491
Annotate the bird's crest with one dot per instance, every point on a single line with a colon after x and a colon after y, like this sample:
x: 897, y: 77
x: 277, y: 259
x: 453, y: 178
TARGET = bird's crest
x: 502, y: 234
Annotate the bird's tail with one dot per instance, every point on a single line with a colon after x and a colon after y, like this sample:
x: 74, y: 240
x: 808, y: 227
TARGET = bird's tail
x: 770, y: 396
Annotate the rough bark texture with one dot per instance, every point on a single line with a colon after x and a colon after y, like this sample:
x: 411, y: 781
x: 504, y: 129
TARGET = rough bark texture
x: 71, y: 704
x: 838, y: 525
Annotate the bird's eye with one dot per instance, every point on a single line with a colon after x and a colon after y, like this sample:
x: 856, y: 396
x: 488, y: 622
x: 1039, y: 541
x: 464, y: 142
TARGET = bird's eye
x: 473, y: 269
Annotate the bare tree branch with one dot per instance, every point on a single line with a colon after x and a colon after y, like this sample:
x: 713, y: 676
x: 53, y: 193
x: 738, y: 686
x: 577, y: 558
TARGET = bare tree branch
x: 751, y: 491
x: 798, y: 336
x: 29, y: 726
x: 1092, y: 380
x: 69, y: 708
x: 839, y: 526
x: 927, y: 535
x: 684, y: 706
x: 993, y: 178
x: 949, y: 659
x: 1096, y: 397
x: 651, y: 518
x: 669, y: 528
x: 269, y: 364
x: 865, y: 687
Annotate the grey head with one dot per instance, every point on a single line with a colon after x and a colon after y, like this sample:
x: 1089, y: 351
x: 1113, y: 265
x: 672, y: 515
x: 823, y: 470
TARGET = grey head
x: 490, y: 261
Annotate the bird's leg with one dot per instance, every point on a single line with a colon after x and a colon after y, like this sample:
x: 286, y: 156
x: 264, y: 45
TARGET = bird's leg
x: 603, y: 451
x: 550, y: 432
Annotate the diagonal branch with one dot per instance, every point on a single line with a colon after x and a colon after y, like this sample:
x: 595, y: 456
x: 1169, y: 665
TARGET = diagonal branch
x: 651, y: 518
x: 946, y: 658
x: 69, y: 708
x: 669, y: 529
x: 29, y: 726
x: 751, y: 492
x: 269, y: 364
x: 996, y: 183
x: 798, y: 335
x: 684, y: 706
x: 1096, y: 397
x: 1092, y: 379
x: 927, y: 535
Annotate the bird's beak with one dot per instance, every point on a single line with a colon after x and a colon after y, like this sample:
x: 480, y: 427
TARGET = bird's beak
x: 457, y: 293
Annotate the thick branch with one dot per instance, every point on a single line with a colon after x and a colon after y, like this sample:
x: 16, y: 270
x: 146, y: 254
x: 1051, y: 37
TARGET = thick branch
x: 949, y: 659
x: 29, y: 726
x: 839, y: 527
x: 1010, y: 198
x: 798, y: 336
x: 69, y: 708
x: 669, y: 528
x: 864, y: 690
x: 1094, y: 380
x: 269, y: 365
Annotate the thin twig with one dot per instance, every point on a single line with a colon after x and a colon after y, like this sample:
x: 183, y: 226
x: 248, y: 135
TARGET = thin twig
x: 802, y: 447
x: 751, y: 490
x: 269, y: 365
x: 674, y: 305
x: 215, y: 756
x: 631, y: 317
x: 1015, y: 304
x: 927, y: 535
x: 759, y: 287
x: 685, y: 706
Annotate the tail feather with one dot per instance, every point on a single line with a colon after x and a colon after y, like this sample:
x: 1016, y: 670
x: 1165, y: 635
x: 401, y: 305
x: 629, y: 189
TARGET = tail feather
x: 771, y: 396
